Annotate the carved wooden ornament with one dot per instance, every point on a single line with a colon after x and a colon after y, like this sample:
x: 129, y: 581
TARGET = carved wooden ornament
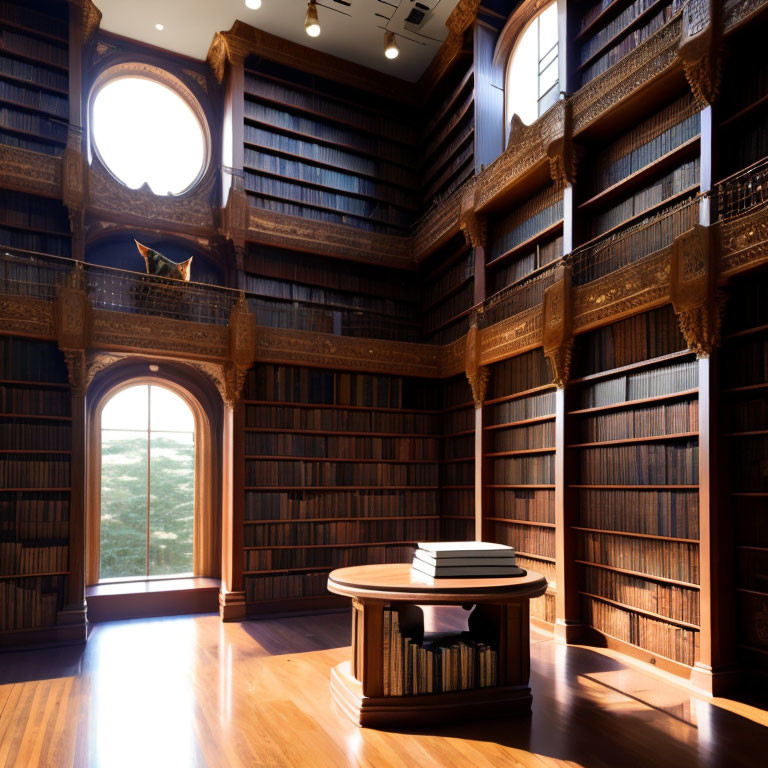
x: 478, y: 375
x: 558, y: 326
x: 700, y: 48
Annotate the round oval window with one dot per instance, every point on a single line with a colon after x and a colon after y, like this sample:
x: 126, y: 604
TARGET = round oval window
x: 146, y: 132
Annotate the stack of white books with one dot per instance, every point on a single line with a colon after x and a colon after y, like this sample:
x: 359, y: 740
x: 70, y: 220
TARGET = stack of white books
x: 465, y: 559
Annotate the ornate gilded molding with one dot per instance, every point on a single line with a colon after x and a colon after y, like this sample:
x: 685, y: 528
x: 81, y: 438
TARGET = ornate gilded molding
x: 452, y: 358
x: 700, y: 48
x: 25, y: 316
x: 30, y: 172
x: 557, y: 332
x: 438, y: 225
x: 693, y: 290
x: 739, y: 12
x: 235, y: 214
x: 477, y: 374
x: 473, y: 225
x: 557, y: 137
x: 513, y: 336
x: 743, y: 241
x: 91, y: 19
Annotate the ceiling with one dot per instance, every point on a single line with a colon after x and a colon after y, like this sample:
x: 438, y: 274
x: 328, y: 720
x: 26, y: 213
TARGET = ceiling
x: 351, y: 29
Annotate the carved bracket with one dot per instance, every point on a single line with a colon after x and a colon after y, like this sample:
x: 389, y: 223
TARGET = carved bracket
x: 700, y: 48
x: 693, y: 289
x: 474, y: 226
x: 563, y: 155
x: 558, y: 326
x: 242, y: 350
x: 72, y: 325
x: 235, y: 214
x: 478, y: 375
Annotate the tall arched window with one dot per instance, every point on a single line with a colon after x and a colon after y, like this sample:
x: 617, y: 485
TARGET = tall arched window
x: 147, y: 484
x: 532, y: 82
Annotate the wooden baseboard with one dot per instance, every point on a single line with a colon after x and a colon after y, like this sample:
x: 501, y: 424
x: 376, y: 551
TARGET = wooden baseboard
x: 296, y: 606
x: 542, y: 624
x: 44, y: 637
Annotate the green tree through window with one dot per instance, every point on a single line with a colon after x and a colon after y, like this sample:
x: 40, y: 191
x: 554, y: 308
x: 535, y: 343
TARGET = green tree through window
x: 147, y: 484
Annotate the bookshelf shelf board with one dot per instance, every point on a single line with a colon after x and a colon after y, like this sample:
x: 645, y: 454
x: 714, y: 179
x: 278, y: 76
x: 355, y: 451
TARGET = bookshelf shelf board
x: 58, y: 384
x: 32, y: 450
x: 746, y: 388
x: 456, y: 461
x: 532, y: 420
x: 325, y: 142
x: 637, y: 21
x: 470, y: 518
x: 312, y: 520
x: 529, y: 243
x: 752, y: 548
x: 522, y: 486
x: 33, y: 84
x: 38, y: 230
x: 448, y: 293
x: 747, y: 331
x: 31, y: 108
x: 260, y: 457
x: 752, y: 591
x: 632, y: 440
x: 341, y: 487
x: 31, y: 575
x: 34, y: 60
x: 449, y: 321
x: 333, y: 432
x: 518, y: 395
x: 750, y: 495
x: 440, y: 133
x: 327, y: 187
x: 456, y: 434
x: 753, y: 433
x: 507, y: 520
x: 636, y: 217
x: 736, y: 117
x: 324, y: 117
x: 34, y: 490
x: 649, y: 487
x: 317, y: 206
x: 448, y: 104
x: 636, y: 179
x: 532, y: 556
x: 652, y: 363
x: 434, y: 170
x: 633, y: 403
x: 632, y: 535
x: 330, y: 166
x: 32, y: 134
x: 457, y: 487
x: 522, y: 452
x: 643, y: 611
x: 34, y: 416
x: 308, y: 569
x: 455, y: 178
x: 339, y: 407
x: 32, y: 31
x: 331, y: 546
x: 459, y: 407
x: 642, y: 575
x: 605, y: 15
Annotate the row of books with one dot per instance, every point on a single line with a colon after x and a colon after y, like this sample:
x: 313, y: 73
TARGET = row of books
x: 746, y: 414
x: 328, y: 446
x: 285, y: 289
x: 448, y: 308
x: 285, y: 586
x: 524, y: 538
x: 543, y: 567
x: 311, y: 533
x: 20, y: 558
x: 544, y: 607
x: 643, y: 464
x: 531, y: 407
x: 21, y: 210
x: 458, y: 421
x: 748, y: 465
x: 457, y: 473
x: 447, y: 664
x: 296, y: 472
x: 30, y: 472
x: 18, y: 399
x: 34, y: 123
x: 307, y: 505
x: 376, y: 210
x: 539, y: 213
x: 668, y: 600
x: 270, y: 117
x: 51, y: 23
x: 31, y: 360
x: 27, y: 45
x: 666, y: 559
x: 656, y: 382
x: 459, y: 447
x: 525, y: 470
x: 453, y: 528
x: 646, y: 421
x: 316, y: 104
x: 642, y: 337
x: 371, y: 167
x: 630, y: 41
x: 523, y: 438
x: 452, y: 277
x: 23, y: 511
x: 519, y: 374
x: 520, y: 504
x: 286, y: 208
x: 537, y: 257
x: 517, y: 298
x: 449, y: 333
x: 34, y: 74
x: 33, y: 241
x: 609, y: 170
x: 458, y: 129
x: 453, y: 175
x: 746, y: 362
x: 651, y: 513
x: 324, y: 557
x: 44, y: 101
x: 658, y: 637
x: 23, y: 141
x: 284, y: 383
x: 322, y: 419
x: 673, y: 183
x: 334, y: 274
x: 436, y: 131
x: 31, y: 602
x: 457, y: 501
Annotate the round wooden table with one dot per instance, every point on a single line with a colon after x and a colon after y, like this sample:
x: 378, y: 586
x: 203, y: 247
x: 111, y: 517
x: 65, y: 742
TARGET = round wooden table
x: 500, y: 618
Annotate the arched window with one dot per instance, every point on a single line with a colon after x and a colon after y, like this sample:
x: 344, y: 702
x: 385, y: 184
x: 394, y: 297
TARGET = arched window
x: 532, y: 82
x: 147, y: 484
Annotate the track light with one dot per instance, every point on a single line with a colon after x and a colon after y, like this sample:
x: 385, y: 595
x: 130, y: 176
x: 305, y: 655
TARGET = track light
x: 391, y: 50
x: 311, y: 22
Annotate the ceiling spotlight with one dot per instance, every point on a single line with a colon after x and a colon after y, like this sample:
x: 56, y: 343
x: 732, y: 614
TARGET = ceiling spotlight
x: 159, y: 27
x: 253, y: 4
x: 391, y: 50
x: 312, y: 23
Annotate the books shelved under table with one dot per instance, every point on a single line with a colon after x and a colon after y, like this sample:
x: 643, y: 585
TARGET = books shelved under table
x: 399, y: 675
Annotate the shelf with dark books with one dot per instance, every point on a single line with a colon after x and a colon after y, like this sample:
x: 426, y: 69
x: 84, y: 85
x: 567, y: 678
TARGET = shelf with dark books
x: 437, y: 112
x: 633, y: 484
x: 33, y: 224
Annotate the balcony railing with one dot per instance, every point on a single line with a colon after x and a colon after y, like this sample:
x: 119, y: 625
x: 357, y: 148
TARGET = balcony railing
x: 35, y: 275
x: 517, y: 298
x: 741, y: 192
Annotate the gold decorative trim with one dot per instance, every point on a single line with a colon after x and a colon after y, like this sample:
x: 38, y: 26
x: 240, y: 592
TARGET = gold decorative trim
x: 511, y: 337
x: 24, y: 316
x: 743, y: 241
x: 699, y: 48
x: 557, y: 334
x: 31, y: 172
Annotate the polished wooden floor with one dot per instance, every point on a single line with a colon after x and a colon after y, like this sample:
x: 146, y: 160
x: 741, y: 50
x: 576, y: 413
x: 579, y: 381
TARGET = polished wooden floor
x: 190, y: 691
